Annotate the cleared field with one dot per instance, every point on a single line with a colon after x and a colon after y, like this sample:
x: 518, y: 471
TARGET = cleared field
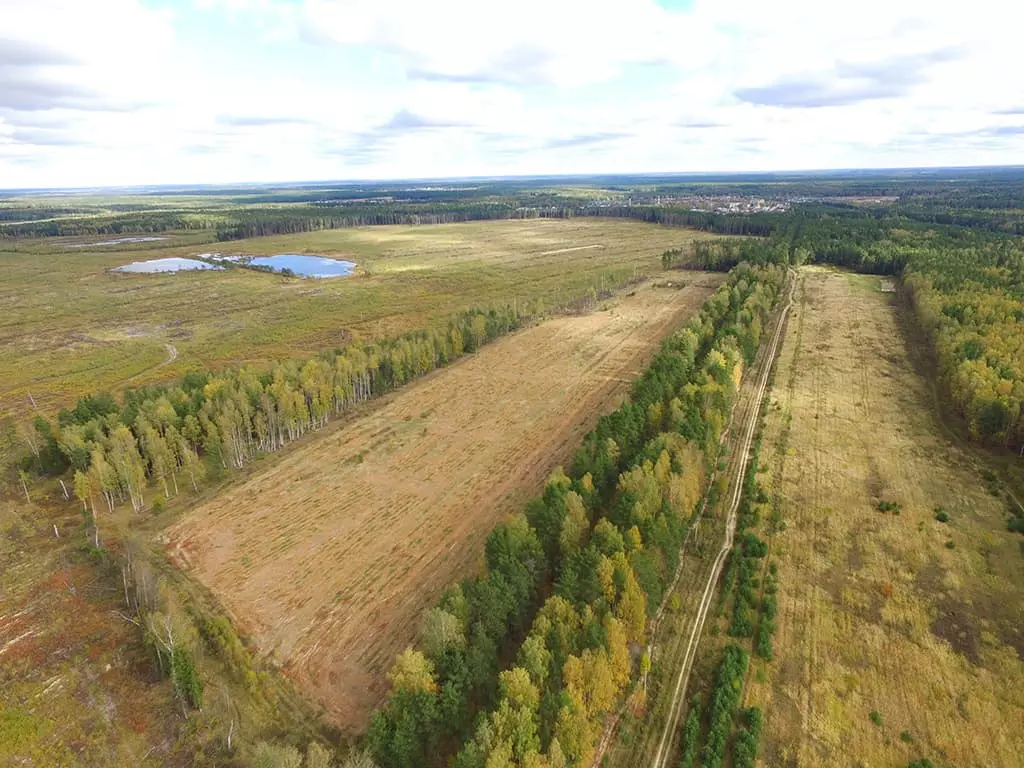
x: 329, y: 557
x: 72, y: 327
x: 899, y: 636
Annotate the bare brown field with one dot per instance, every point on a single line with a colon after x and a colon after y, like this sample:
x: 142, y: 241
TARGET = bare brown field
x: 900, y: 615
x: 329, y: 557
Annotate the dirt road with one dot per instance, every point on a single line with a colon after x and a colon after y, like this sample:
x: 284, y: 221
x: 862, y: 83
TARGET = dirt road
x: 738, y: 468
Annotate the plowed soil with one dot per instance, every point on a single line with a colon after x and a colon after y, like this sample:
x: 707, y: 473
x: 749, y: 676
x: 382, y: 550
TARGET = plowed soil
x: 329, y: 557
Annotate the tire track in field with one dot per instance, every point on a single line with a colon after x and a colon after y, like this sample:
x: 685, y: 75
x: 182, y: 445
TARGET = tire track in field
x: 753, y: 416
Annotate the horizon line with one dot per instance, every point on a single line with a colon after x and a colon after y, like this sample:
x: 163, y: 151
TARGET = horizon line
x: 302, y: 183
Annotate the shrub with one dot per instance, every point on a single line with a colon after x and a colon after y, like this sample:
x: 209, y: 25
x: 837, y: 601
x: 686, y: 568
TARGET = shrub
x: 906, y: 736
x: 691, y: 736
x: 889, y: 506
x: 941, y: 515
x: 186, y: 679
x: 876, y: 717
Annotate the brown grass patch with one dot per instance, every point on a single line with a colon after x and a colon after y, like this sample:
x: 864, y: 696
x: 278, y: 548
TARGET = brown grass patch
x: 329, y: 557
x: 875, y: 613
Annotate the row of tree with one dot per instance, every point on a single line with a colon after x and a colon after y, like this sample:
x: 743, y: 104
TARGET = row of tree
x: 970, y: 304
x: 170, y: 435
x: 572, y: 579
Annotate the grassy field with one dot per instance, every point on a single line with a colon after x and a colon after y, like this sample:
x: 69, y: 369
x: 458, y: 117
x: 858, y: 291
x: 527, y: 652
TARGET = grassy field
x: 72, y: 327
x: 899, y: 636
x: 329, y: 556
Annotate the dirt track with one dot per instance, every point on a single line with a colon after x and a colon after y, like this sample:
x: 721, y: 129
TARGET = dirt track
x: 330, y: 556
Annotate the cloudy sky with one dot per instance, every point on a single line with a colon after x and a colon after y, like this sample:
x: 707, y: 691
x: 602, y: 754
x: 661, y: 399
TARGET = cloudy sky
x: 189, y: 91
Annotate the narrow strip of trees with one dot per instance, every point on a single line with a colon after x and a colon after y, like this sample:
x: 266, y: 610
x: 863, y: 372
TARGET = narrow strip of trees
x: 161, y: 439
x: 570, y: 582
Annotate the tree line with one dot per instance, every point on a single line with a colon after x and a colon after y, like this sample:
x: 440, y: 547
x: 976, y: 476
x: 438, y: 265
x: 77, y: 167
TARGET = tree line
x: 966, y: 287
x: 171, y: 436
x: 570, y: 582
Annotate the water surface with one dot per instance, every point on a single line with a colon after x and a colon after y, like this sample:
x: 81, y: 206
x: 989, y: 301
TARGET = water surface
x: 305, y: 266
x: 166, y: 265
x: 291, y: 263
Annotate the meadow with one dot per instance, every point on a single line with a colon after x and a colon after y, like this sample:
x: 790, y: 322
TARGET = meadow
x: 72, y: 327
x: 899, y: 603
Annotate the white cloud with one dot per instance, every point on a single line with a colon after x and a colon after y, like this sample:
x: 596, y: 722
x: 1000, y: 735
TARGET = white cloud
x: 343, y: 88
x: 532, y: 42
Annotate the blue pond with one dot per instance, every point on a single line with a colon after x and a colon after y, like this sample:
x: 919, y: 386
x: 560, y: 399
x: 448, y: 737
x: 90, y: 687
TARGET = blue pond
x: 305, y: 266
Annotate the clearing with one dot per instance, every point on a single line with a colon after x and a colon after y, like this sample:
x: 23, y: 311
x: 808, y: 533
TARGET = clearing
x: 329, y: 557
x: 899, y: 636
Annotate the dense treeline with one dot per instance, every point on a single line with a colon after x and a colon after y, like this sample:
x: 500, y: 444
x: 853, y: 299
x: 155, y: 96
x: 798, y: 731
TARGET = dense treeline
x: 571, y: 580
x: 174, y: 434
x: 140, y: 223
x: 259, y: 222
x: 969, y: 300
x: 762, y: 224
x: 966, y: 287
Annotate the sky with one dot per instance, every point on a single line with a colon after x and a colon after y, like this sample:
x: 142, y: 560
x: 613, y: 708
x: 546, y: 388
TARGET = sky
x: 124, y: 92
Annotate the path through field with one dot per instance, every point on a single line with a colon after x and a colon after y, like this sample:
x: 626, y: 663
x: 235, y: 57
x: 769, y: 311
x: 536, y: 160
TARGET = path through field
x: 674, y: 646
x: 746, y: 427
x: 172, y: 354
x: 330, y: 556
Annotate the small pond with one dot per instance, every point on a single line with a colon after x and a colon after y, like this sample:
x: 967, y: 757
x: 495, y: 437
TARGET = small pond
x: 293, y: 263
x: 165, y: 265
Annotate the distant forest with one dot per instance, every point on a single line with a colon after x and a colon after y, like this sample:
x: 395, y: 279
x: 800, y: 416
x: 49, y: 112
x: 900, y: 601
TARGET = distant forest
x: 989, y: 199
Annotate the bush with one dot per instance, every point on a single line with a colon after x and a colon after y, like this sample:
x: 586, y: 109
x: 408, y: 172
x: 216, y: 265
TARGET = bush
x: 941, y: 515
x: 186, y: 679
x: 745, y: 746
x: 691, y: 736
x: 276, y: 756
x: 906, y: 736
x: 724, y: 700
x: 950, y: 544
x: 876, y: 717
x: 890, y: 506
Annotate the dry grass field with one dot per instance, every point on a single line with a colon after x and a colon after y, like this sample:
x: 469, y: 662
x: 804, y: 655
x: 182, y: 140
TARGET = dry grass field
x: 917, y: 621
x: 72, y: 327
x: 329, y: 557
